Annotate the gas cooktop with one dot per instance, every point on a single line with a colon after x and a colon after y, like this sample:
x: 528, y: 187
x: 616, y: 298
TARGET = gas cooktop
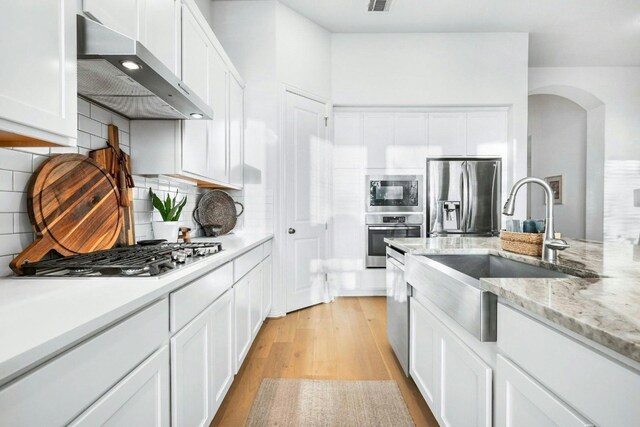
x: 128, y: 261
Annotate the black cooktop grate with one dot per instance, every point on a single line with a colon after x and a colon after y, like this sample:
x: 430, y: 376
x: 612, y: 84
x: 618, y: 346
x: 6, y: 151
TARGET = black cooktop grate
x: 124, y: 261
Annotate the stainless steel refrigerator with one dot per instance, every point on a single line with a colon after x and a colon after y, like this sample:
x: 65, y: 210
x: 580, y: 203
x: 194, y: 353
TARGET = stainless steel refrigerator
x: 463, y: 196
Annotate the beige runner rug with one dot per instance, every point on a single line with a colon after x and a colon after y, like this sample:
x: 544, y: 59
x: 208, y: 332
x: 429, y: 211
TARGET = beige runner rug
x: 291, y: 402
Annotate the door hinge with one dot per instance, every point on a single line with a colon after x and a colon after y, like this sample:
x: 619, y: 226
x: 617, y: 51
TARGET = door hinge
x: 326, y: 226
x: 326, y: 277
x: 326, y: 121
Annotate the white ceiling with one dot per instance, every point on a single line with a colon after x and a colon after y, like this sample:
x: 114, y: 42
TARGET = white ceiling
x: 562, y: 32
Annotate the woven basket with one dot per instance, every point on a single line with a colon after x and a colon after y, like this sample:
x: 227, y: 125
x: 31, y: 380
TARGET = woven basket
x: 522, y: 243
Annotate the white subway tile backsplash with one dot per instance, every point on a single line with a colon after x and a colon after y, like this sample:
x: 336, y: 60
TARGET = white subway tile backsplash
x: 84, y: 107
x: 16, y: 167
x: 6, y: 180
x: 34, y: 150
x: 123, y: 138
x: 13, y: 202
x: 6, y: 223
x: 84, y: 139
x: 5, y: 270
x: 100, y: 114
x: 14, y: 243
x: 21, y: 223
x: 21, y: 181
x: 98, y: 142
x: 121, y: 123
x: 64, y: 150
x: 15, y: 160
x: 88, y: 125
x: 38, y: 160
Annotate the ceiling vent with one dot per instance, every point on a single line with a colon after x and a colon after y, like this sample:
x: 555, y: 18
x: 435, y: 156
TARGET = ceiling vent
x: 379, y: 5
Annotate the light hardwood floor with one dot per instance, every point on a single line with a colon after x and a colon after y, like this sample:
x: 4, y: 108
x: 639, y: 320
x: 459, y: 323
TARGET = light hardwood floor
x: 342, y: 340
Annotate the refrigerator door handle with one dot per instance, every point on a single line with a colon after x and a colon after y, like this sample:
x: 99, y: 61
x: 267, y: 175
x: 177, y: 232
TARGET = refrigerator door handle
x: 470, y: 195
x: 464, y: 195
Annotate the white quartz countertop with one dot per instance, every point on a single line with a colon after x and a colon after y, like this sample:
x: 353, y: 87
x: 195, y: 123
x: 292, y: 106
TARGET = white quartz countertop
x: 602, y: 304
x: 41, y: 317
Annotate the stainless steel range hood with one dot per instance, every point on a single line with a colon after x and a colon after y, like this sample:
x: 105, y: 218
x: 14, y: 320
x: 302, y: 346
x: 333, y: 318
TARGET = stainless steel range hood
x: 150, y: 92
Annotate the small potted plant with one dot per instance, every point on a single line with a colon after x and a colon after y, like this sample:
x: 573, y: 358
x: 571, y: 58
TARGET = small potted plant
x: 170, y: 211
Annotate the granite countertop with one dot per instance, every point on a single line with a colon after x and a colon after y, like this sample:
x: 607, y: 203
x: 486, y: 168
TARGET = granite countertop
x: 602, y: 304
x: 41, y: 317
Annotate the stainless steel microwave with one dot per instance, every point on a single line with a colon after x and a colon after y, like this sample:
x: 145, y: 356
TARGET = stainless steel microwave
x: 394, y: 193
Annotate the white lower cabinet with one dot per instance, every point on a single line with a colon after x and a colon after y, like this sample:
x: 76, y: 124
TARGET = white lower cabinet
x: 465, y: 385
x: 140, y: 399
x: 202, y: 364
x: 222, y: 367
x: 242, y: 295
x: 190, y: 376
x: 256, y: 299
x: 424, y: 357
x: 62, y: 388
x: 454, y: 381
x: 522, y: 402
x: 267, y: 286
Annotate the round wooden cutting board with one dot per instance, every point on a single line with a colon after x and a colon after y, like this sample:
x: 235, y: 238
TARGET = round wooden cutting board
x: 74, y: 208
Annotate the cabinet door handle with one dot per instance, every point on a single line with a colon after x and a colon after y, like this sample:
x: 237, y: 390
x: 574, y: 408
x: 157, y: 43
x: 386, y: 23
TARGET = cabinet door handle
x: 292, y: 231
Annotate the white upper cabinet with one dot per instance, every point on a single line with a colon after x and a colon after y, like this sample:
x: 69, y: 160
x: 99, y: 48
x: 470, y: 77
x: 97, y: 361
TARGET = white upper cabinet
x: 447, y: 134
x: 236, y: 132
x: 410, y: 141
x: 196, y: 147
x: 119, y: 15
x: 219, y: 154
x: 209, y: 152
x: 348, y: 148
x: 38, y: 94
x: 378, y: 139
x: 196, y: 50
x: 159, y: 30
x: 155, y: 23
x: 487, y: 133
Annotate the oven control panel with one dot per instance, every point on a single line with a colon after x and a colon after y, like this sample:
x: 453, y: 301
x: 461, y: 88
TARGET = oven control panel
x: 394, y: 219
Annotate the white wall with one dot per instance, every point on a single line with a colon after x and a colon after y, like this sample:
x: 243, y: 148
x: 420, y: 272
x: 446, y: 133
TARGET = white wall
x: 558, y: 131
x: 271, y: 46
x: 618, y: 90
x: 479, y: 69
x: 303, y: 53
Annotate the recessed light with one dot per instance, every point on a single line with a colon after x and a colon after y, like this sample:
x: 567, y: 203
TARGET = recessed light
x: 196, y: 116
x: 130, y: 65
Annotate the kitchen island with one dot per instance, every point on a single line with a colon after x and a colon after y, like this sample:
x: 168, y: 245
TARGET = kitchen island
x: 555, y: 335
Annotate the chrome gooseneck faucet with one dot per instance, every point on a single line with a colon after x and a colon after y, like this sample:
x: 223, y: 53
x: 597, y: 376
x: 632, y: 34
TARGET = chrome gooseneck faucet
x: 550, y: 245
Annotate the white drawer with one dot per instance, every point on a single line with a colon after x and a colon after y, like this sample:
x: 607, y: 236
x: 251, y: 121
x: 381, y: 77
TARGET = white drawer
x: 598, y: 387
x: 267, y: 247
x: 244, y: 263
x: 61, y: 389
x: 189, y: 301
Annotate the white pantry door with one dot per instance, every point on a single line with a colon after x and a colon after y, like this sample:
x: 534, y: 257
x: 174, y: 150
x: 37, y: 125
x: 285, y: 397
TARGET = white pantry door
x: 306, y: 200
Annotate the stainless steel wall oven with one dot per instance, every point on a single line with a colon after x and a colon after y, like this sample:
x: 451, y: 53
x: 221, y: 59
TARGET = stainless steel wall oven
x: 381, y: 226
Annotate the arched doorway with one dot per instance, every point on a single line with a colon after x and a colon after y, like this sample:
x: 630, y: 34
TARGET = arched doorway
x: 568, y: 123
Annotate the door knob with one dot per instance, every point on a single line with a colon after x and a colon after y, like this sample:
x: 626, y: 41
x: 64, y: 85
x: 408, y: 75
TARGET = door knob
x: 292, y: 231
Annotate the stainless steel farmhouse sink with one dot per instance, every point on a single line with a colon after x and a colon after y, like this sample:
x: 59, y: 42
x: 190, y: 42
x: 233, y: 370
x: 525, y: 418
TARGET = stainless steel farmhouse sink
x: 478, y: 266
x: 452, y: 283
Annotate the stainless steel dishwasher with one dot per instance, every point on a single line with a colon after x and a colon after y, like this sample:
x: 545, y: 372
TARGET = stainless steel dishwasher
x: 398, y: 293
